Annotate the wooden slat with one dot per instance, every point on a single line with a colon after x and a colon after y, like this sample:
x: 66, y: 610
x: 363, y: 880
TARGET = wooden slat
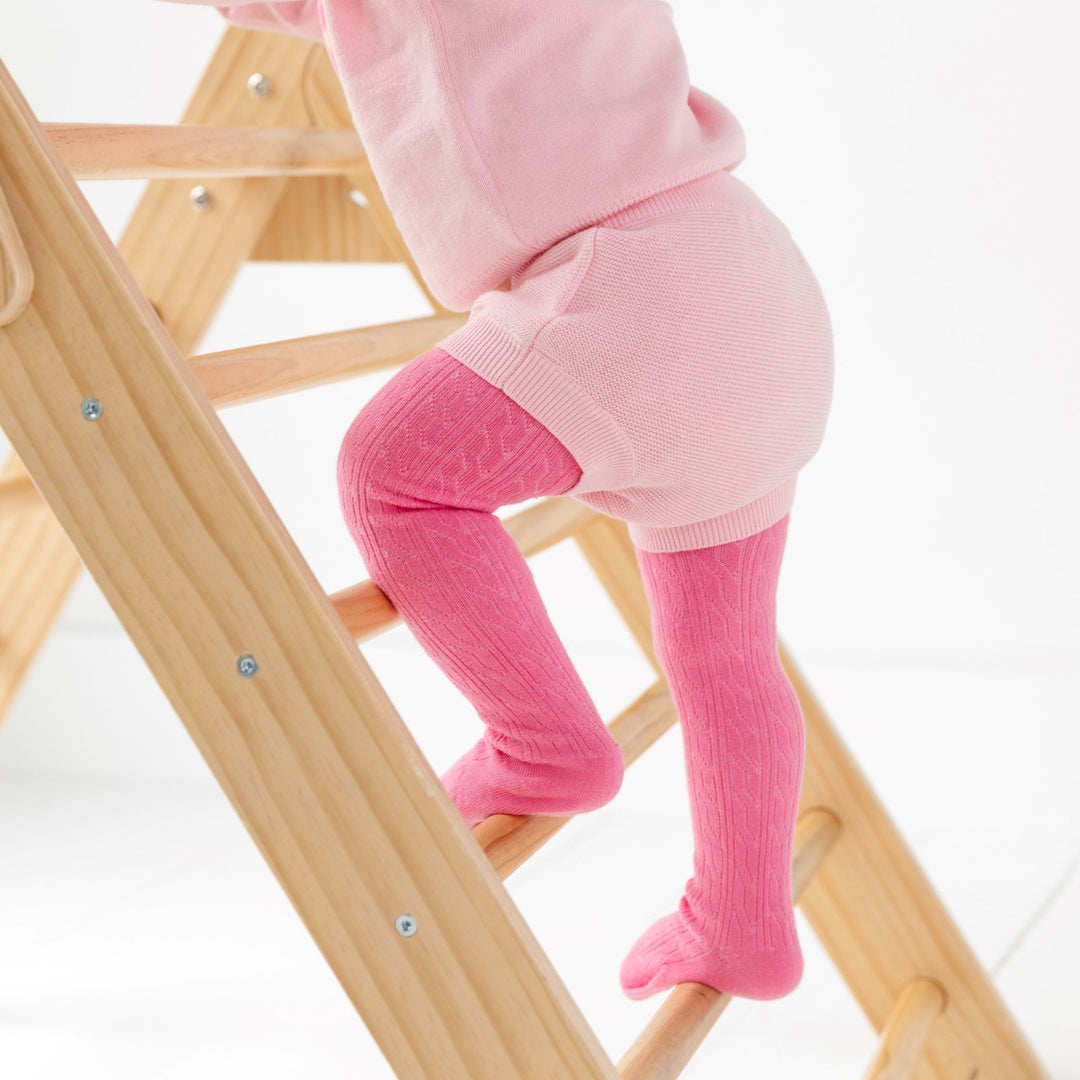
x: 157, y: 151
x: 317, y: 220
x: 262, y: 371
x: 509, y: 840
x: 310, y: 751
x: 18, y: 493
x: 919, y: 1005
x: 676, y: 1032
x: 186, y: 264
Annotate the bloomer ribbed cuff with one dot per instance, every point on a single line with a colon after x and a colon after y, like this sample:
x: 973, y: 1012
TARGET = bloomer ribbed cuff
x: 549, y: 395
x: 723, y: 529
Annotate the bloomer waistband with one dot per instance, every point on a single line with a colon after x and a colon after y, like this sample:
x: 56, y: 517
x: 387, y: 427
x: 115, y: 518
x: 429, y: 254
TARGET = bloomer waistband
x: 718, y: 187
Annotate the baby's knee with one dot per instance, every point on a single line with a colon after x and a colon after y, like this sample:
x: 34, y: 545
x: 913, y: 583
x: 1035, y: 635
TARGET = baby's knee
x: 363, y: 472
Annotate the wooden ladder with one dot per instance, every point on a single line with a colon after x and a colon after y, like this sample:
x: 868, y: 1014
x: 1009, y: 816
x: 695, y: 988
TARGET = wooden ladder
x: 123, y: 464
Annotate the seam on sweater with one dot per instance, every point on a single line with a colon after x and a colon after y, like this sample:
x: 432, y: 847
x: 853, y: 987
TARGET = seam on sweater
x: 455, y: 102
x: 565, y: 305
x: 737, y: 210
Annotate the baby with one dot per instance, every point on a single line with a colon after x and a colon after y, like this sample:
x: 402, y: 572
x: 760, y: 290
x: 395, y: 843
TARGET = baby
x: 663, y: 354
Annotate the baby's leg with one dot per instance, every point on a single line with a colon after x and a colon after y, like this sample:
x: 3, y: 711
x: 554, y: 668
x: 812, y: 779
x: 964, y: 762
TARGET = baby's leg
x: 420, y: 472
x: 714, y: 629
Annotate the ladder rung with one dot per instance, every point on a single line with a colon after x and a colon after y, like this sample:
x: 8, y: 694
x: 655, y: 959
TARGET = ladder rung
x: 509, y: 840
x: 150, y: 151
x: 262, y: 371
x: 366, y: 610
x: 18, y: 493
x: 920, y: 1002
x: 679, y: 1027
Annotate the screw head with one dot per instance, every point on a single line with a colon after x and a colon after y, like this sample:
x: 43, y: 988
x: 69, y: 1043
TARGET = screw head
x: 92, y: 408
x: 357, y: 197
x: 259, y: 85
x: 247, y: 665
x: 200, y: 198
x: 406, y: 925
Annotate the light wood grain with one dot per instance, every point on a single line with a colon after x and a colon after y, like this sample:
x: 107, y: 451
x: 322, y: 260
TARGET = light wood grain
x: 310, y: 751
x: 881, y: 921
x: 317, y: 220
x: 262, y: 371
x: 155, y: 151
x: 920, y: 1003
x: 187, y: 262
x: 16, y: 273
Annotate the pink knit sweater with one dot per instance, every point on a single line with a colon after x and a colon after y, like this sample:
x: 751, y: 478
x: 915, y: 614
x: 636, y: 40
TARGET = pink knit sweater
x: 661, y: 320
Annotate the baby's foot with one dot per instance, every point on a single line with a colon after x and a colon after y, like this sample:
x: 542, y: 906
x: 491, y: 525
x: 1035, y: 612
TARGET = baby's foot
x: 673, y: 950
x: 487, y: 781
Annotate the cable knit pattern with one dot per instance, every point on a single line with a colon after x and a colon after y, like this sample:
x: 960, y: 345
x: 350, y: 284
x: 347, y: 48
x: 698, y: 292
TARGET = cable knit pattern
x: 714, y: 626
x: 420, y: 472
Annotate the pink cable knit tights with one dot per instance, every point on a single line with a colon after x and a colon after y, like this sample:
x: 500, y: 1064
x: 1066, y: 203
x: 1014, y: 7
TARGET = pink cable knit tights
x: 420, y: 472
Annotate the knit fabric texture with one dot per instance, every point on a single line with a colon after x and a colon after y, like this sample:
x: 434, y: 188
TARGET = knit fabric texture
x: 421, y: 470
x: 661, y: 321
x: 714, y: 631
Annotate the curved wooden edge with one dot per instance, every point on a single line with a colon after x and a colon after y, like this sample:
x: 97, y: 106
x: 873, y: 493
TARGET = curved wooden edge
x: 16, y: 271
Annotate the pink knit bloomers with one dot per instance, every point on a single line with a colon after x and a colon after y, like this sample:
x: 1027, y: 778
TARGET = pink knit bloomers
x: 681, y: 349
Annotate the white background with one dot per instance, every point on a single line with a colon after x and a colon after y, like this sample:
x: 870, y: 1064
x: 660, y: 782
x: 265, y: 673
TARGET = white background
x: 924, y: 156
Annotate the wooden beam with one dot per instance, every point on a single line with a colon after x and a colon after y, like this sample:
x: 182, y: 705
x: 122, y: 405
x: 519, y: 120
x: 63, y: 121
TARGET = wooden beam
x: 146, y: 151
x: 186, y: 262
x: 229, y: 618
x: 878, y: 916
x: 918, y: 1006
x: 18, y: 493
x: 262, y: 371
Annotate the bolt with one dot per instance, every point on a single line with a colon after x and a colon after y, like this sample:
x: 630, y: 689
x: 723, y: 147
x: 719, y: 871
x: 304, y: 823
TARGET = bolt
x: 259, y: 85
x: 247, y: 665
x: 406, y: 925
x: 200, y: 198
x: 92, y: 408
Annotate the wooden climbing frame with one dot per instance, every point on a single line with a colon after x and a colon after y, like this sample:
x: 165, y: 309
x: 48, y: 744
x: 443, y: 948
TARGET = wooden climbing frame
x: 122, y: 464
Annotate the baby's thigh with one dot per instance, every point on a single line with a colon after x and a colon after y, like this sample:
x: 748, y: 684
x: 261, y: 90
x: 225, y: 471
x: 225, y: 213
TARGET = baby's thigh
x: 437, y: 434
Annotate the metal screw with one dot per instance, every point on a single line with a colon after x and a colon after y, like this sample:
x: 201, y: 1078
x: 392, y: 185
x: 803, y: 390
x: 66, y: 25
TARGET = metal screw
x: 406, y: 925
x: 92, y: 408
x: 200, y: 198
x: 357, y: 197
x: 247, y: 665
x: 259, y: 85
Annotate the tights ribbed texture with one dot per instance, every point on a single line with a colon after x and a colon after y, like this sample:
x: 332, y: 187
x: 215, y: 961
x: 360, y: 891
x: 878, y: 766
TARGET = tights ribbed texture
x: 714, y: 631
x: 421, y: 471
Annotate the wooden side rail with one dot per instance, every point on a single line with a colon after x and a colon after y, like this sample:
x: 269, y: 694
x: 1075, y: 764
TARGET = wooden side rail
x: 147, y: 151
x: 16, y: 273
